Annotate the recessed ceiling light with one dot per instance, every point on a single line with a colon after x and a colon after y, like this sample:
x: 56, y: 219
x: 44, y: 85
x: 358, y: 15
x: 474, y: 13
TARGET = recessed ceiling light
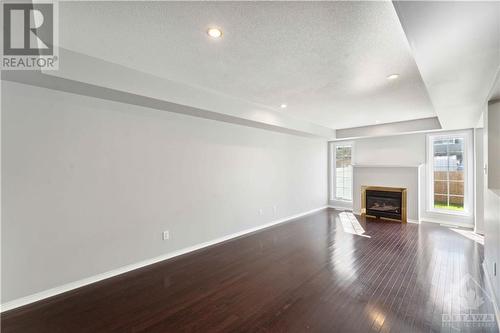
x: 392, y: 76
x: 377, y: 121
x: 214, y: 32
x: 283, y: 106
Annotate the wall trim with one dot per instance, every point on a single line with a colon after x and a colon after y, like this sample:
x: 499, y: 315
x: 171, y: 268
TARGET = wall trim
x: 489, y: 286
x: 479, y: 231
x: 340, y: 208
x: 454, y: 224
x: 127, y: 268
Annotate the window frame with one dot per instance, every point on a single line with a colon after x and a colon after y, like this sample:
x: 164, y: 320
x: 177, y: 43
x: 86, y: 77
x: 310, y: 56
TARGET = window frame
x: 468, y: 174
x: 333, y: 178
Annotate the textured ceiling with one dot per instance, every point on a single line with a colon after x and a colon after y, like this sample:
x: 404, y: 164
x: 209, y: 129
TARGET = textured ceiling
x: 327, y: 60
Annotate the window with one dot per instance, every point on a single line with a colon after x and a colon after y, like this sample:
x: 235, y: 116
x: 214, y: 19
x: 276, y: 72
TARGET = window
x: 343, y: 171
x: 449, y: 172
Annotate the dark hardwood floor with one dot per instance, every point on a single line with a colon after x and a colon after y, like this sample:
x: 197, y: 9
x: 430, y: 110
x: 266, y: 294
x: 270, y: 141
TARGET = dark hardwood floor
x: 319, y: 273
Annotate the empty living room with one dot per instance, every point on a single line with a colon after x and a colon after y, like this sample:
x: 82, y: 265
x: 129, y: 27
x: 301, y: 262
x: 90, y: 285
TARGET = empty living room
x: 250, y: 166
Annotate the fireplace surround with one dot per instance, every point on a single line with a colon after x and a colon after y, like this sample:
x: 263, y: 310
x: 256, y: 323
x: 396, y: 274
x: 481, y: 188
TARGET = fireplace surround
x: 384, y: 202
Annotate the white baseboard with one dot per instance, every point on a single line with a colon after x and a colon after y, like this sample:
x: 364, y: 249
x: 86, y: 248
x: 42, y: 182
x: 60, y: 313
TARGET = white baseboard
x: 124, y: 269
x: 489, y: 286
x: 340, y: 204
x: 448, y: 223
x: 339, y: 208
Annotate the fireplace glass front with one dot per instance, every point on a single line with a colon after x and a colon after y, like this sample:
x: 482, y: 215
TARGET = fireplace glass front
x: 383, y: 204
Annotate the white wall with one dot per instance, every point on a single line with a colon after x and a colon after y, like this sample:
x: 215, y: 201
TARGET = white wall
x: 479, y: 180
x: 494, y: 145
x: 491, y: 206
x: 391, y: 150
x: 89, y: 185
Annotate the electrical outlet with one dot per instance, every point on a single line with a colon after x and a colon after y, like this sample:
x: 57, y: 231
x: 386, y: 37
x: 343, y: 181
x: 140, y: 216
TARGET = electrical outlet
x: 166, y: 235
x: 261, y: 212
x: 275, y: 209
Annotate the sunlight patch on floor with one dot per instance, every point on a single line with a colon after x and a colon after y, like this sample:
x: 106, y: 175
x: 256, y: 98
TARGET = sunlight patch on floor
x: 470, y: 235
x: 351, y: 225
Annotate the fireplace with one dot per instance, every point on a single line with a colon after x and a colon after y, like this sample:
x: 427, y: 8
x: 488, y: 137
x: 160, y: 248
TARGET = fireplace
x: 384, y: 202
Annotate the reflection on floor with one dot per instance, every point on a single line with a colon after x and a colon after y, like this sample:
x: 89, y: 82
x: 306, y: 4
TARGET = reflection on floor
x: 470, y: 235
x: 313, y: 274
x: 350, y: 224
